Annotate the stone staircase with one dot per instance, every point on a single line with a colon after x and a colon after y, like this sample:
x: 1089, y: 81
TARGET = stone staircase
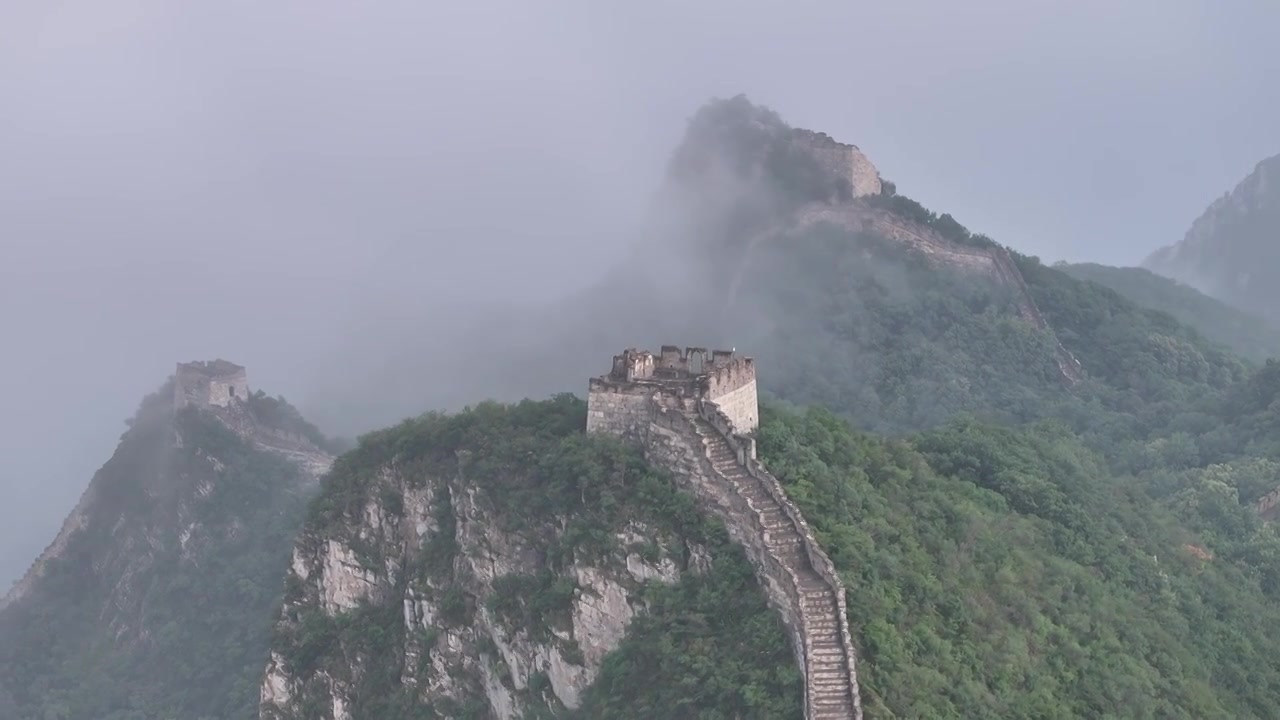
x: 828, y: 660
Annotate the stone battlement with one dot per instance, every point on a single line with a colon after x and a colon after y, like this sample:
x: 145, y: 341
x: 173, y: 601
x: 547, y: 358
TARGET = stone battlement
x: 846, y: 163
x: 215, y: 383
x: 619, y: 400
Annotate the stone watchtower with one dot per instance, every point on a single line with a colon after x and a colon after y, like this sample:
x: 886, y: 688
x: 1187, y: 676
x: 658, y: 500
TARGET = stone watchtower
x: 216, y: 383
x: 620, y: 402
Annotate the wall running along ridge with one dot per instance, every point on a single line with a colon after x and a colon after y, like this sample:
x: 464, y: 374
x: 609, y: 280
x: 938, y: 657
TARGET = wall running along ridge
x: 993, y: 262
x: 691, y: 437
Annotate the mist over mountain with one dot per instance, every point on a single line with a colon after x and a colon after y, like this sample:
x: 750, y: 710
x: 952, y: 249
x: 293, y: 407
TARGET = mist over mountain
x: 954, y: 457
x: 289, y: 187
x: 1246, y: 334
x: 1232, y: 251
x: 154, y: 599
x: 1085, y: 458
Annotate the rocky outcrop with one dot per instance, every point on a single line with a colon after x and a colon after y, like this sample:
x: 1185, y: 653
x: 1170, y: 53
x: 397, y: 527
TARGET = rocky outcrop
x: 1268, y: 506
x: 697, y: 444
x: 1230, y: 251
x: 457, y: 642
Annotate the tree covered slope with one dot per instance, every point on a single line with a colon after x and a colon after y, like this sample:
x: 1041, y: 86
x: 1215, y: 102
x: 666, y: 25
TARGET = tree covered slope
x: 1246, y: 334
x: 156, y: 601
x: 500, y: 562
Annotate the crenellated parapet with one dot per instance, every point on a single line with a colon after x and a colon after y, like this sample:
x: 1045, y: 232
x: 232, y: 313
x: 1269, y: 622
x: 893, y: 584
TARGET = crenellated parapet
x: 617, y: 402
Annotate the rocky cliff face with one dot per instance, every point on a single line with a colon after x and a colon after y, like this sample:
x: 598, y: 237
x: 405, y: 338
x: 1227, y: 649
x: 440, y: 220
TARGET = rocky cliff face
x: 1232, y: 251
x: 441, y: 576
x: 458, y: 649
x: 155, y: 576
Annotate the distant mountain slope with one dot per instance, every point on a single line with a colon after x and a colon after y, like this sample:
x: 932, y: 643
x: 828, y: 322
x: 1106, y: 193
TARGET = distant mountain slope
x: 1242, y: 332
x: 155, y: 600
x: 1232, y: 251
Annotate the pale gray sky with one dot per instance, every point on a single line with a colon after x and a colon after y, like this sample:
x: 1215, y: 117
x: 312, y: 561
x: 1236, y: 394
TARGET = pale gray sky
x: 253, y: 180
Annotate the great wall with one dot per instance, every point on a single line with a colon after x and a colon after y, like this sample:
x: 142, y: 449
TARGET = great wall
x: 222, y: 388
x: 849, y: 209
x: 857, y: 216
x: 692, y: 413
x: 993, y: 261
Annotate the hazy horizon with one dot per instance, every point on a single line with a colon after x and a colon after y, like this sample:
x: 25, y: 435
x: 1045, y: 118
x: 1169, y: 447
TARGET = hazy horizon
x: 269, y: 183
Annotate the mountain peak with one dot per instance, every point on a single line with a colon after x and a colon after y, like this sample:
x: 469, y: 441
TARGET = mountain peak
x: 194, y: 509
x: 1231, y: 251
x: 753, y: 143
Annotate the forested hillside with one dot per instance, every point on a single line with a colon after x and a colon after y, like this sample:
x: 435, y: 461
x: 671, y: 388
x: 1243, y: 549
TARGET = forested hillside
x: 992, y: 572
x: 999, y: 572
x: 1245, y: 334
x: 487, y: 563
x: 1035, y: 481
x: 156, y: 600
x: 1022, y: 544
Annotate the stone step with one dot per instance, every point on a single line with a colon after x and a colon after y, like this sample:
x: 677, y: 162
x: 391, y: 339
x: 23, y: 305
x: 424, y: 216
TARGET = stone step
x: 827, y: 647
x: 835, y: 689
x: 829, y: 691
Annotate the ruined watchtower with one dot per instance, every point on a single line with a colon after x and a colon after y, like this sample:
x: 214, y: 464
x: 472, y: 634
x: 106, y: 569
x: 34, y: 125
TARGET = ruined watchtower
x: 215, y: 383
x: 621, y: 402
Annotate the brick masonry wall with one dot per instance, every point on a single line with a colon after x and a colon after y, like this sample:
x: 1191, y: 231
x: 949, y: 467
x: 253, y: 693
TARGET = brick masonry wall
x: 741, y: 406
x: 619, y: 409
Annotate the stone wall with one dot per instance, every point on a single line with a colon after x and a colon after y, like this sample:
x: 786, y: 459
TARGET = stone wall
x: 671, y: 443
x: 994, y: 262
x: 746, y: 452
x: 619, y: 408
x: 732, y: 388
x: 842, y: 161
x: 664, y: 425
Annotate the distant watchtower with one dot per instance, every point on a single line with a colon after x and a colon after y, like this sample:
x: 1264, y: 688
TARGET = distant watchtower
x: 215, y: 383
x: 621, y: 402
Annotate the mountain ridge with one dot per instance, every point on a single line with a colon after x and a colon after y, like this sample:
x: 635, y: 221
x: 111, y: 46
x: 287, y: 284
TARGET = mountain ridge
x: 148, y: 600
x: 1232, y: 249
